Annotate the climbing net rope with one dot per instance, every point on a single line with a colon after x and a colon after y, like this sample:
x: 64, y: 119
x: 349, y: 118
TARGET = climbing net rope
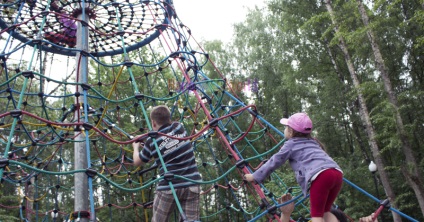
x: 76, y: 91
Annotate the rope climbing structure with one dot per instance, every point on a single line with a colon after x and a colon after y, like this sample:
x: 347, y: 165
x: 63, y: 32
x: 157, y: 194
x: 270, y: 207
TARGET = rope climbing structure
x: 78, y: 79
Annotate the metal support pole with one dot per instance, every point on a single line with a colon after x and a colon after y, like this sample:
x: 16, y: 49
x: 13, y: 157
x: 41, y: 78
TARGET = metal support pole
x: 81, y: 202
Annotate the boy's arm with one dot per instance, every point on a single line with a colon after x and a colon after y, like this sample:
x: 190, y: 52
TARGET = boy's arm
x: 136, y: 154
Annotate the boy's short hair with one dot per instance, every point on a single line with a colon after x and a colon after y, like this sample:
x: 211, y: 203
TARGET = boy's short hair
x: 161, y: 115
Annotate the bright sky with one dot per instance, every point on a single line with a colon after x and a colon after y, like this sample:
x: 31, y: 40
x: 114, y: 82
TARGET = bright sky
x: 213, y: 19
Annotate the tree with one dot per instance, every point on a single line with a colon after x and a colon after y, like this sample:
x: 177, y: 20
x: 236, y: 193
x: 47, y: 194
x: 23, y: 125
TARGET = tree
x: 410, y: 168
x: 365, y: 114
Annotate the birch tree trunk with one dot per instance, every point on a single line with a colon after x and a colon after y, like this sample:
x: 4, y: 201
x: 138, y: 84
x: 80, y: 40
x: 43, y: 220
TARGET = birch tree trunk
x: 364, y: 113
x: 409, y: 169
x: 356, y: 132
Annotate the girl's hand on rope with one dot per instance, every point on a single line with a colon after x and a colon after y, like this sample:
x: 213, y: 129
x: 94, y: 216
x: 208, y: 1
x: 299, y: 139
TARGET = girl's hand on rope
x: 288, y: 208
x: 249, y: 177
x: 368, y: 218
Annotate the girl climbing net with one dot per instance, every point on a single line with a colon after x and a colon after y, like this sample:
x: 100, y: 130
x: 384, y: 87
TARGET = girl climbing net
x: 315, y: 171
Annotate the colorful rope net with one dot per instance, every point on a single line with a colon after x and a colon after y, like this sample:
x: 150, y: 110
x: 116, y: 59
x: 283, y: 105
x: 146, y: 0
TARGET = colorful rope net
x: 78, y: 79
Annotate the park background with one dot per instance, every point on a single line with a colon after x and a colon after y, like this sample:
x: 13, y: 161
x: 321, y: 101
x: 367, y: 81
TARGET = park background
x: 354, y: 66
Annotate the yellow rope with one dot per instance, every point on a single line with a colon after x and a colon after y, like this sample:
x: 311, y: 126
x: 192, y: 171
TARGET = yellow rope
x: 109, y: 95
x: 143, y: 197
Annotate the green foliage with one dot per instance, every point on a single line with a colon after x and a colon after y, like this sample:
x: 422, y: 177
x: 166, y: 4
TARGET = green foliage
x: 7, y: 198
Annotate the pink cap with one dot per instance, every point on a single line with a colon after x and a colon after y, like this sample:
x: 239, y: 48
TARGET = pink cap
x: 299, y: 122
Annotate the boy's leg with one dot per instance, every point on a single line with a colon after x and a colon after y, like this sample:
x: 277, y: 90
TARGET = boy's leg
x: 163, y: 205
x: 190, y: 200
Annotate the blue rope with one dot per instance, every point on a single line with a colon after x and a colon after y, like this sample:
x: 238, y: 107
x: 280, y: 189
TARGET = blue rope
x: 378, y: 201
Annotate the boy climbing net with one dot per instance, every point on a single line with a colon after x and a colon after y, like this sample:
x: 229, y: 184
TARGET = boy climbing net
x: 178, y: 157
